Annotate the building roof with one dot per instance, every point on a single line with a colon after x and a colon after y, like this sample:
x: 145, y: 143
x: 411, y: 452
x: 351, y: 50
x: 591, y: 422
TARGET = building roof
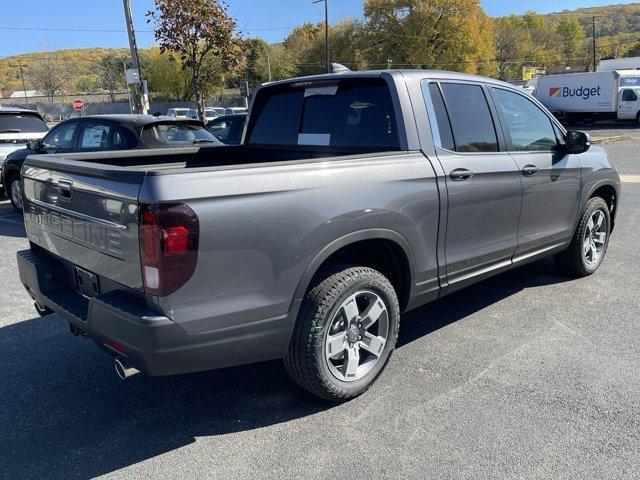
x: 26, y: 93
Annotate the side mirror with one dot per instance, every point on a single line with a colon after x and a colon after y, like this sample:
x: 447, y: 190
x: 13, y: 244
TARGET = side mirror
x: 35, y: 145
x: 577, y: 142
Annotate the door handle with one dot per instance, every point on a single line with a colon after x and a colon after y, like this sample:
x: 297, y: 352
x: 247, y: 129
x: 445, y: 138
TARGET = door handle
x: 65, y: 189
x: 460, y: 174
x: 529, y: 170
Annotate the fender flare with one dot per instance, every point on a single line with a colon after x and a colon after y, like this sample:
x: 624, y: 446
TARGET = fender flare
x: 333, y: 247
x: 606, y: 182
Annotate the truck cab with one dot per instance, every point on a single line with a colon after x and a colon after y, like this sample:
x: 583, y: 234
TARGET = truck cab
x: 629, y: 103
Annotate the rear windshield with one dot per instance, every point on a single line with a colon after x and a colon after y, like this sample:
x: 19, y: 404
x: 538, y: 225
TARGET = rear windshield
x: 175, y: 135
x: 353, y: 113
x: 17, y: 123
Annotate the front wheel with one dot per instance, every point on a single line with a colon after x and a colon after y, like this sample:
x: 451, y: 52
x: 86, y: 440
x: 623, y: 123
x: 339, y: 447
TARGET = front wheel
x: 15, y: 193
x: 590, y: 241
x: 345, y: 333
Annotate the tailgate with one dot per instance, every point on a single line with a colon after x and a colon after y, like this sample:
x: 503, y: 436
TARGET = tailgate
x: 86, y: 213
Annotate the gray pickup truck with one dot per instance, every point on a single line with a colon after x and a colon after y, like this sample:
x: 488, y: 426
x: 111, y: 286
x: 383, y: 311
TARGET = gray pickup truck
x: 354, y: 197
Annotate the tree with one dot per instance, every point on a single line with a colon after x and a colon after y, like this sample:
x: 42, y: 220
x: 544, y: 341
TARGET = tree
x: 257, y: 69
x: 300, y: 42
x: 111, y: 72
x: 165, y: 74
x: 202, y: 35
x: 49, y: 75
x: 446, y: 34
x: 282, y: 62
x: 511, y: 40
x: 634, y: 51
x: 573, y: 37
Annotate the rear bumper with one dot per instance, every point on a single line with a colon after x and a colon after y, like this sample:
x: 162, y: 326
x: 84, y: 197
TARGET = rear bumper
x: 153, y: 344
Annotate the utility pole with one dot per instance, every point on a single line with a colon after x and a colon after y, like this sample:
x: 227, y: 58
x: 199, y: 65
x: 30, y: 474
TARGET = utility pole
x: 124, y: 69
x: 326, y: 33
x: 593, y: 29
x: 141, y: 102
x: 269, y: 65
x: 24, y: 88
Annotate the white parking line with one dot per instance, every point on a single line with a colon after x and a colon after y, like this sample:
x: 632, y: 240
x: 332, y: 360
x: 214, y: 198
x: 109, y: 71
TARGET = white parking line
x: 630, y: 178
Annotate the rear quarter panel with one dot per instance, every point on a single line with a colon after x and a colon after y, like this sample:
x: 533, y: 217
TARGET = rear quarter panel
x: 261, y: 227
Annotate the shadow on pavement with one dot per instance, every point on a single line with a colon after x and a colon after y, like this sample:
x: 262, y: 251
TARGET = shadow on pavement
x: 64, y: 413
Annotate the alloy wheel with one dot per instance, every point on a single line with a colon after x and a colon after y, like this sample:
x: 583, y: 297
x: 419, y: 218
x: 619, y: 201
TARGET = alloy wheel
x: 357, y: 336
x: 16, y: 193
x: 595, y: 237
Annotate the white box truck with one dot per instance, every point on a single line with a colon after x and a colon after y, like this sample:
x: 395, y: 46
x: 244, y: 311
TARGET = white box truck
x: 592, y: 96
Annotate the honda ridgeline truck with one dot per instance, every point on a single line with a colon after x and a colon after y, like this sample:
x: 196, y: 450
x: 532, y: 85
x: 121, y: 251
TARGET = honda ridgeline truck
x: 354, y: 197
x: 591, y: 96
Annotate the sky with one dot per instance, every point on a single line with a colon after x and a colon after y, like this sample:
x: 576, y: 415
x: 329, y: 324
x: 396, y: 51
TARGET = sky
x: 53, y: 25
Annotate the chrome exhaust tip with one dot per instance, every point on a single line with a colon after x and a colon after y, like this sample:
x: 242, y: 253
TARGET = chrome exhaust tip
x: 124, y: 371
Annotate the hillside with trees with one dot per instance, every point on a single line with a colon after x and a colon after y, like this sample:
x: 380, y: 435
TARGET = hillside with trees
x: 445, y: 34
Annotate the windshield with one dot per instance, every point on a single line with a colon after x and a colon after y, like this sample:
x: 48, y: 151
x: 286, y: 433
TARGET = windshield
x: 176, y: 135
x: 21, y: 123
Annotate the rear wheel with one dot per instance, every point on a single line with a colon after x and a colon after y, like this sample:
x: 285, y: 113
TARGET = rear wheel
x: 345, y: 333
x: 590, y: 240
x: 15, y: 193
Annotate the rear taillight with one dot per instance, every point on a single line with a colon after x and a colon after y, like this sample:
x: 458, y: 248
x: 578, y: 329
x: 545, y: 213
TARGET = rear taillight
x: 168, y: 246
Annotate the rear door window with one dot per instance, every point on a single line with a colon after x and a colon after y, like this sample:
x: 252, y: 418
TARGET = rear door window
x: 470, y: 118
x: 94, y: 136
x: 441, y: 127
x: 354, y: 113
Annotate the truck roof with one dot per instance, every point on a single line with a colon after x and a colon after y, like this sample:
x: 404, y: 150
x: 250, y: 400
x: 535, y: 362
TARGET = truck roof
x: 412, y: 74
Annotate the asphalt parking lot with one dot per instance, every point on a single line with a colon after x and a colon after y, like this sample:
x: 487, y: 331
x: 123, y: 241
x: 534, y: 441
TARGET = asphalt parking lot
x: 526, y: 375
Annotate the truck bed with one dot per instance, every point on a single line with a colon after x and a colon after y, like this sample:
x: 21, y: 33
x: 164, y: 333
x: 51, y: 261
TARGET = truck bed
x: 175, y: 159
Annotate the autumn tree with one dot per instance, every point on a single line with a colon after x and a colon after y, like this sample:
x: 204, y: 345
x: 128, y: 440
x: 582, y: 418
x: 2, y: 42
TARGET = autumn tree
x: 257, y: 69
x: 572, y: 35
x: 511, y: 43
x: 445, y: 34
x: 111, y: 73
x: 203, y: 36
x: 165, y: 74
x: 300, y: 42
x: 49, y: 75
x: 634, y: 51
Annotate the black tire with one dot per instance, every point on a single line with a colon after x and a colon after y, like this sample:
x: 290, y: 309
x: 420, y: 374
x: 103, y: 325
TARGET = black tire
x: 573, y: 261
x: 306, y: 360
x: 13, y: 182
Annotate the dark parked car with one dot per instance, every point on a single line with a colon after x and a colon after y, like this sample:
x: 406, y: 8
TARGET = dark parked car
x: 104, y: 132
x: 228, y: 128
x: 352, y: 198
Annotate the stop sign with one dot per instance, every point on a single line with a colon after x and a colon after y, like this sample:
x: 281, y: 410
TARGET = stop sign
x: 77, y: 104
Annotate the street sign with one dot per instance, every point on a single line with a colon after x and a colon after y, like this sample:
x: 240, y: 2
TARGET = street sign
x: 132, y: 76
x: 77, y: 104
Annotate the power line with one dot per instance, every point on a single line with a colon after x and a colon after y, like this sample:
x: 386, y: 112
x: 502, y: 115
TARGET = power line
x: 115, y: 30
